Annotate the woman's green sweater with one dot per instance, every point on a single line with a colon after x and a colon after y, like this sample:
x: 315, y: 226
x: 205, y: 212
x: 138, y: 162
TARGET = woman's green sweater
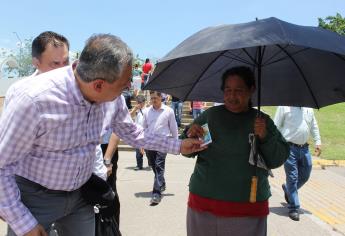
x: 222, y: 171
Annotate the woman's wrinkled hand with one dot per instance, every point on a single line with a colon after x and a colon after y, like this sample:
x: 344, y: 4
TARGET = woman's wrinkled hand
x: 260, y: 127
x: 195, y: 131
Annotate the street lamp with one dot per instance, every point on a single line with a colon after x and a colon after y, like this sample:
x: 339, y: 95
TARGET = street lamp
x: 20, y: 52
x: 20, y: 41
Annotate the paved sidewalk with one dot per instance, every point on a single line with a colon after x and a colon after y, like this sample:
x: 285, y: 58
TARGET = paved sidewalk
x: 323, y: 196
x: 168, y: 218
x: 323, y: 201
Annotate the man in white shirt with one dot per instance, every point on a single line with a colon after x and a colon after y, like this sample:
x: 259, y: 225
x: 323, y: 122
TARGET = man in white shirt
x: 296, y: 124
x: 159, y: 119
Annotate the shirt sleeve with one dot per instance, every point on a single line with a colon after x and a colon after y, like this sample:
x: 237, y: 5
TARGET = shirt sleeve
x: 145, y: 124
x: 99, y: 168
x: 18, y: 129
x: 172, y: 124
x: 279, y: 117
x: 134, y: 135
x: 314, y: 129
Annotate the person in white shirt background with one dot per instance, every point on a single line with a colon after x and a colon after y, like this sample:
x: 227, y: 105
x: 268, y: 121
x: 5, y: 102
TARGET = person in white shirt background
x: 139, y: 119
x: 296, y: 125
x: 160, y: 120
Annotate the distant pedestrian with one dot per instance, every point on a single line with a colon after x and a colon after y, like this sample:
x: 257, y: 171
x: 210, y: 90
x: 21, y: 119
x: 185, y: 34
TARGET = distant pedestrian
x: 197, y: 108
x: 159, y: 119
x: 296, y: 124
x: 138, y: 110
x: 177, y: 105
x: 147, y: 69
x: 136, y: 81
x: 127, y: 93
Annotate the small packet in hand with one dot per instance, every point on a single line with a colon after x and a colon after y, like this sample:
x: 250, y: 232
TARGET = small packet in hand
x: 207, y: 135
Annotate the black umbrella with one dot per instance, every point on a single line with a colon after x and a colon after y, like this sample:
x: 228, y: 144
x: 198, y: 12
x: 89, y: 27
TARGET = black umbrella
x: 294, y: 65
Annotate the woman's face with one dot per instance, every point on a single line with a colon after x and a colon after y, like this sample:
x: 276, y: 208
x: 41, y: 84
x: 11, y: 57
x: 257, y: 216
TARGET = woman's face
x: 236, y: 94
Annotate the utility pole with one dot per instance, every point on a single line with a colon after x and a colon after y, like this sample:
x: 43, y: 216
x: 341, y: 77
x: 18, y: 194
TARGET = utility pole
x: 20, y: 54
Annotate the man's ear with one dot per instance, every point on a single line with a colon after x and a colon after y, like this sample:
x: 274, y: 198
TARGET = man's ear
x: 98, y: 85
x: 35, y: 62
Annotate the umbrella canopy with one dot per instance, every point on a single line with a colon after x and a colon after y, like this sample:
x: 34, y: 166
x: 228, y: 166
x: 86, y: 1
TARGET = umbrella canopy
x: 294, y: 65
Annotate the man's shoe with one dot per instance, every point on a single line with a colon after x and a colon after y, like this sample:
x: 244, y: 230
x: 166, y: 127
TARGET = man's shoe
x: 285, y: 194
x: 155, y: 200
x: 294, y: 215
x: 138, y: 168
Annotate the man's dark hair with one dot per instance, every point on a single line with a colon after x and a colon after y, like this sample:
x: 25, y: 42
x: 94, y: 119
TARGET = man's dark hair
x: 243, y: 72
x: 140, y: 99
x: 40, y: 43
x: 147, y: 60
x: 158, y: 93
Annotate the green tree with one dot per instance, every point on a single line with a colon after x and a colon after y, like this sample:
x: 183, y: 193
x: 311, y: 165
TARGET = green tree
x: 23, y: 57
x: 335, y: 23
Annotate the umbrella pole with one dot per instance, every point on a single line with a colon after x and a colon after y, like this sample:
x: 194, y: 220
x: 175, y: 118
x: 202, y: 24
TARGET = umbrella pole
x: 254, y: 181
x: 259, y: 64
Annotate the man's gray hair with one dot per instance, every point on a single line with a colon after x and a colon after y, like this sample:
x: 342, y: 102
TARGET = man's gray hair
x: 104, y: 56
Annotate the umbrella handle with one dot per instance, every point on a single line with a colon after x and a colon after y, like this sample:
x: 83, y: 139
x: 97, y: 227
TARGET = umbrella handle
x: 253, y: 189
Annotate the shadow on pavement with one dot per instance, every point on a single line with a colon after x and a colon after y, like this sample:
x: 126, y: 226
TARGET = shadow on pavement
x: 147, y: 168
x: 149, y: 194
x: 284, y: 211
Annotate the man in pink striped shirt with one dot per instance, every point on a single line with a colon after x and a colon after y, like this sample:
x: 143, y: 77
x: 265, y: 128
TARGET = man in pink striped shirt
x: 49, y: 131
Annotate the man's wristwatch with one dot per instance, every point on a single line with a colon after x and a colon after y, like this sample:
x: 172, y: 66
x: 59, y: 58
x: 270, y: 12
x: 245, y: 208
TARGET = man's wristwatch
x: 107, y: 162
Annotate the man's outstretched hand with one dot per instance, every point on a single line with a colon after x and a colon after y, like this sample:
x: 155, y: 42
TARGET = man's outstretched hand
x: 191, y: 145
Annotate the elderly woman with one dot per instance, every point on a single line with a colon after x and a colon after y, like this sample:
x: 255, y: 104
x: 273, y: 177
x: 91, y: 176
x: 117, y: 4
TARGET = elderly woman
x: 222, y: 180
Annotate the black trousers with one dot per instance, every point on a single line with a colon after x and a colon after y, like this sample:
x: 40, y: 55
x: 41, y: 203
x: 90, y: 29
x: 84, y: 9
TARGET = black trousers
x: 112, y: 181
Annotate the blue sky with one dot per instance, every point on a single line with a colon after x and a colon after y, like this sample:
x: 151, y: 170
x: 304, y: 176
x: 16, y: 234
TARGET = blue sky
x: 150, y: 28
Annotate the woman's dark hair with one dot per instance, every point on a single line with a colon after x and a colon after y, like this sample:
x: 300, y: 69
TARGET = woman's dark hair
x: 159, y: 94
x: 243, y: 72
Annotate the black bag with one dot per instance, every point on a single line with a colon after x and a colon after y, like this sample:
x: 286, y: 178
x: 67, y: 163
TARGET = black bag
x: 106, y: 226
x: 98, y: 193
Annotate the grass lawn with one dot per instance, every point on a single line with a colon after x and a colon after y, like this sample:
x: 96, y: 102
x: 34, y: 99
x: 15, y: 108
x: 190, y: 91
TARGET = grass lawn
x: 331, y: 121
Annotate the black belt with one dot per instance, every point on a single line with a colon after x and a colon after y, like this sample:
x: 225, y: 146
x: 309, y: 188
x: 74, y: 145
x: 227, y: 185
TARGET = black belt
x: 299, y: 145
x: 21, y: 179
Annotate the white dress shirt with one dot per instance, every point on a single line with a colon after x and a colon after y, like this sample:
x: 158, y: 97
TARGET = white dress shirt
x: 139, y: 118
x: 296, y: 124
x: 160, y: 121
